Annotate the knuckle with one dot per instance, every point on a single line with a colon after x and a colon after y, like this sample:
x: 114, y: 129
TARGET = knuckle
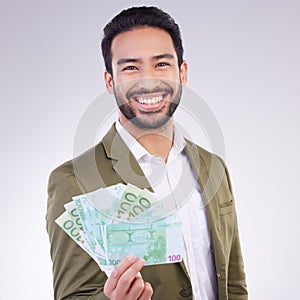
x: 124, y: 281
x: 138, y: 284
x: 136, y: 288
x: 115, y: 273
x: 136, y: 267
x: 148, y: 289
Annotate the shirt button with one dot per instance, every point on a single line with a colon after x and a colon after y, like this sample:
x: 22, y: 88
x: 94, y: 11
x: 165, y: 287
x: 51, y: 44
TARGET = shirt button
x: 186, y: 292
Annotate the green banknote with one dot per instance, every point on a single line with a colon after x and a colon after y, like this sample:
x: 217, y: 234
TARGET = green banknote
x: 121, y: 202
x: 104, y: 201
x: 91, y: 221
x: 69, y: 226
x: 74, y: 215
x: 158, y: 211
x: 112, y: 222
x: 132, y: 203
x: 158, y: 243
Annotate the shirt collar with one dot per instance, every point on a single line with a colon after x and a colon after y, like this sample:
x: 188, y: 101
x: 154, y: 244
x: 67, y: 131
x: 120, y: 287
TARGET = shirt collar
x: 140, y: 153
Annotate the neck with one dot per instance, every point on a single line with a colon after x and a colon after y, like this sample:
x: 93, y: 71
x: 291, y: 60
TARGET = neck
x: 158, y: 142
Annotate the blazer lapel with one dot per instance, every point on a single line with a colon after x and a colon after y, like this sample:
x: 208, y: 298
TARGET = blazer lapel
x: 123, y: 161
x: 205, y: 172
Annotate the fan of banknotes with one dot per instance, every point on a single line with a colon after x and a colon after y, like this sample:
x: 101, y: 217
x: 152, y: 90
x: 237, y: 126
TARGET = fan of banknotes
x: 112, y: 222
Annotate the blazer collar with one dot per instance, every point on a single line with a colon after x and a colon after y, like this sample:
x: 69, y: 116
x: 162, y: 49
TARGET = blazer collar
x: 206, y: 176
x: 206, y: 167
x: 124, y: 163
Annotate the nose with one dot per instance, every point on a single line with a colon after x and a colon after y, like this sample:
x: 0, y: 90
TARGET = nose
x: 148, y: 79
x: 148, y: 83
x: 148, y: 71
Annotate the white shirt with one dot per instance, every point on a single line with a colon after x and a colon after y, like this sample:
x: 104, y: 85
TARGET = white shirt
x: 175, y: 179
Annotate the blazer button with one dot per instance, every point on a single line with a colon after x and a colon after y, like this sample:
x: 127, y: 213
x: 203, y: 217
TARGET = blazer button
x: 186, y: 292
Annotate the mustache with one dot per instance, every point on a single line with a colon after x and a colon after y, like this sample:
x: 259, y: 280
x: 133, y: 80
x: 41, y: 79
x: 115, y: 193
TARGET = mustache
x: 143, y: 91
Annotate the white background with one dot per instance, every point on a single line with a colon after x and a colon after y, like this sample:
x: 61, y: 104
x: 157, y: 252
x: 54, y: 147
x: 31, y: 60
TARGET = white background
x: 244, y: 61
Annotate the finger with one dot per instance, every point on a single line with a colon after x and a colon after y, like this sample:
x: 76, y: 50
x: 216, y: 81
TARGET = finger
x: 147, y: 292
x: 136, y: 288
x: 125, y: 282
x: 118, y: 271
x: 129, y: 276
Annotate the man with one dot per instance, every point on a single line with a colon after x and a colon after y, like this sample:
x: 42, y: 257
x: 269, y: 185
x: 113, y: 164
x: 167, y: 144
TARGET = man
x: 145, y: 70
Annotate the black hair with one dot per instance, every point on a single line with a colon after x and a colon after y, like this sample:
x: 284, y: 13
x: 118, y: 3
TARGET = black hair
x: 139, y: 17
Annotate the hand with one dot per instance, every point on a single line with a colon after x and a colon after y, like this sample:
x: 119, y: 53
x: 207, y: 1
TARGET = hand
x: 126, y: 282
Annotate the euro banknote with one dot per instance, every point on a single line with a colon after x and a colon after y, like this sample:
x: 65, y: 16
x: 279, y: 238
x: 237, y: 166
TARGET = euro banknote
x: 112, y: 222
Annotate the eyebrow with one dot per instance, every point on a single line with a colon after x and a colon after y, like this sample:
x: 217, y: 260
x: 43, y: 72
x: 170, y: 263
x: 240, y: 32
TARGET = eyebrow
x: 166, y: 55
x: 123, y: 61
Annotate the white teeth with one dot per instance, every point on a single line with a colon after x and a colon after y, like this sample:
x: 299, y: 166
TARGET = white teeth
x: 153, y: 100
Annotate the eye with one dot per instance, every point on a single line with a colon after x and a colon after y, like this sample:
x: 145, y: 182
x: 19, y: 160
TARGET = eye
x: 162, y: 64
x: 129, y: 68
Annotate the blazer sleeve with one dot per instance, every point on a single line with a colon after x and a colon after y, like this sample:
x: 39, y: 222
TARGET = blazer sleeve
x: 75, y: 274
x: 237, y: 289
x: 236, y: 284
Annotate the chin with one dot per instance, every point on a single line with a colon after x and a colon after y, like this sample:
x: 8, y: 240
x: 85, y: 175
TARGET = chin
x: 151, y: 124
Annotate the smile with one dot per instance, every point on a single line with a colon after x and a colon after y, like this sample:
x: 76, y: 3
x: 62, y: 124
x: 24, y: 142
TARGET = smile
x: 149, y: 100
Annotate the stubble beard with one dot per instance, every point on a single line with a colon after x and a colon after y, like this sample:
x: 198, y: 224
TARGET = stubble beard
x: 153, y: 119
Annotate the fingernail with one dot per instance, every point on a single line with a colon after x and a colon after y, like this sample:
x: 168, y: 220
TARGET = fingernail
x: 131, y: 258
x: 141, y: 261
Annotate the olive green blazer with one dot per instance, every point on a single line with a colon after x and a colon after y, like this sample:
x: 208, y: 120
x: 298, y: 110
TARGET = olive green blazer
x: 77, y: 276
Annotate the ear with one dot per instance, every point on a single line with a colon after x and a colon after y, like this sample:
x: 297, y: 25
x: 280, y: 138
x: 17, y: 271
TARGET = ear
x: 183, y: 72
x: 109, y: 82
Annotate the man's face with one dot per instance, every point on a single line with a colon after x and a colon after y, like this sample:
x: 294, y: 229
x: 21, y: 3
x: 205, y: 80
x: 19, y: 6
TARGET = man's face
x: 147, y: 81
